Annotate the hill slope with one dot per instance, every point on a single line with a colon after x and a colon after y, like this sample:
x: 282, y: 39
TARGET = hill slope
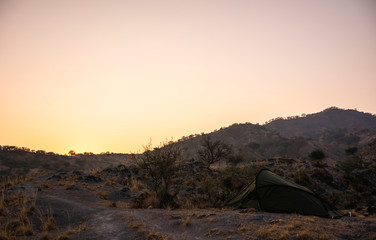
x: 317, y: 124
x: 332, y: 130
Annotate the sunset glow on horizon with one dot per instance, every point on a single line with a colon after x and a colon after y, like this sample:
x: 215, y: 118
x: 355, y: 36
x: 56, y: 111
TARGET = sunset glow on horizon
x: 97, y: 76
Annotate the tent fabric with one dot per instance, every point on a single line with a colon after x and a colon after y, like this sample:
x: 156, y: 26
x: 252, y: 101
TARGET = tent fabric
x: 270, y: 192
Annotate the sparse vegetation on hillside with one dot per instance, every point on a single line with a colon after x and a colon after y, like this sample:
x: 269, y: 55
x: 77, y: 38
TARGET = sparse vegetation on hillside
x: 20, y: 161
x: 213, y: 151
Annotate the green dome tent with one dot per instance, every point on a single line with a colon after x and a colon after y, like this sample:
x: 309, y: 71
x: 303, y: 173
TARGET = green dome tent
x: 272, y: 193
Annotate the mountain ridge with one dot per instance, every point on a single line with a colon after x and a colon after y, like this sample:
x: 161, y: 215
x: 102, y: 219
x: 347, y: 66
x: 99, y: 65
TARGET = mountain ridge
x: 332, y: 130
x: 314, y: 125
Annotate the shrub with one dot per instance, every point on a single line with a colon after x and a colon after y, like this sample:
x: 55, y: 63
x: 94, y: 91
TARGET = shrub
x: 351, y: 151
x: 351, y: 164
x: 161, y: 165
x: 317, y: 155
x: 213, y: 151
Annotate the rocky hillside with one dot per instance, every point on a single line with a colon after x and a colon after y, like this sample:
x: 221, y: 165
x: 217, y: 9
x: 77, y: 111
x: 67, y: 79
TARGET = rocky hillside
x: 332, y: 130
x: 327, y: 122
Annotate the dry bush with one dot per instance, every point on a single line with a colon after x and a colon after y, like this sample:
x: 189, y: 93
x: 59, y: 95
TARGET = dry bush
x: 146, y: 200
x: 161, y: 165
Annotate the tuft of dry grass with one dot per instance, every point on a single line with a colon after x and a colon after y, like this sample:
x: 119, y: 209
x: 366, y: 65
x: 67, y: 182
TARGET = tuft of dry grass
x: 25, y: 229
x: 304, y: 235
x: 78, y: 229
x: 63, y: 236
x: 47, y: 220
x: 15, y: 208
x: 152, y: 235
x: 102, y: 195
x: 8, y: 182
x: 212, y: 232
x: 135, y: 185
x: 3, y: 208
x: 186, y: 222
x: 49, y: 224
x: 137, y: 224
x: 87, y: 186
x: 45, y: 236
x: 294, y: 225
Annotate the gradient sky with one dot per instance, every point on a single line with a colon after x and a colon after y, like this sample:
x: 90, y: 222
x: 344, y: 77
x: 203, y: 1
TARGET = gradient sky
x: 109, y: 75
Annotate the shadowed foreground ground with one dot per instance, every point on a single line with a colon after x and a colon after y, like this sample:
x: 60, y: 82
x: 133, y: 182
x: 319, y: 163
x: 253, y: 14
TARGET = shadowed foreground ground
x: 84, y: 210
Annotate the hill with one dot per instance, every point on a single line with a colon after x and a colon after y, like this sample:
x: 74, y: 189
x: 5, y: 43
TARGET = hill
x: 320, y: 124
x: 86, y: 199
x: 332, y: 130
x: 15, y: 161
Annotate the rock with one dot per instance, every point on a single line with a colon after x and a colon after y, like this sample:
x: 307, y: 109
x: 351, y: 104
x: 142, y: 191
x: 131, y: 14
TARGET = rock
x: 73, y: 187
x: 92, y: 178
x: 119, y: 171
x: 55, y: 177
x: 77, y: 173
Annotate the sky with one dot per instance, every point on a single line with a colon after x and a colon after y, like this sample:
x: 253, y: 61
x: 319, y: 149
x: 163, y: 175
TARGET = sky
x: 97, y: 76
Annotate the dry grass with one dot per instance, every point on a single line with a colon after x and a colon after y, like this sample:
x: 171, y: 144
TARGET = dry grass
x: 78, y: 229
x: 102, y: 195
x: 273, y: 232
x: 3, y: 207
x: 156, y: 236
x: 141, y: 230
x: 49, y: 224
x: 64, y: 183
x: 26, y: 229
x: 294, y: 225
x: 45, y: 236
x: 87, y: 186
x: 186, y: 222
x: 8, y: 182
x: 14, y: 211
x: 304, y: 234
x: 137, y: 224
x: 47, y: 220
x: 212, y: 232
x: 63, y: 236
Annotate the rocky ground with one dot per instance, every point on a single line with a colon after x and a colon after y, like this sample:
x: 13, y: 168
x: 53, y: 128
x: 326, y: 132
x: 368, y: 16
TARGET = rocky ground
x: 100, y: 205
